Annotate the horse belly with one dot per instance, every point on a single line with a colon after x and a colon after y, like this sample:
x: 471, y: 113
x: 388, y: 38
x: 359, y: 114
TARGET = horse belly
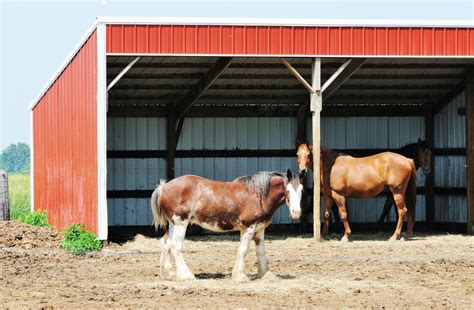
x: 216, y: 215
x: 358, y: 185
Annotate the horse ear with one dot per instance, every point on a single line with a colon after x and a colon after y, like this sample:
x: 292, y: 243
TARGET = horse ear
x: 419, y: 141
x: 289, y: 175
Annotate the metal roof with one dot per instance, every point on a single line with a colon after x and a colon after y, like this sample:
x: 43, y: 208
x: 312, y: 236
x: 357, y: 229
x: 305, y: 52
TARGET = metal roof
x: 164, y: 81
x: 417, y: 24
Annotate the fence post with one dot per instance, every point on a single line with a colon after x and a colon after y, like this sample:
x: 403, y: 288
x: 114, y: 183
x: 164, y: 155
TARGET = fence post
x: 4, y: 202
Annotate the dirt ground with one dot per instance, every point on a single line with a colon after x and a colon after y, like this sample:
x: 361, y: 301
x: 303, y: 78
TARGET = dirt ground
x: 428, y: 271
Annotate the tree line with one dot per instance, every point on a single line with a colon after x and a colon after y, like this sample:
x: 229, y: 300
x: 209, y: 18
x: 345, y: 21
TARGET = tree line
x: 15, y: 158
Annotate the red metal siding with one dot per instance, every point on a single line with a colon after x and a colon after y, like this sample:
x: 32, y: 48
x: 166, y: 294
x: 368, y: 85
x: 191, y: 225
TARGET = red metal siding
x: 265, y: 40
x: 65, y: 143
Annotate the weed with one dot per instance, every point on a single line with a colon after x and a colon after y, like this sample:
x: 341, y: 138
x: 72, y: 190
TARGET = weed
x: 77, y: 240
x: 37, y: 218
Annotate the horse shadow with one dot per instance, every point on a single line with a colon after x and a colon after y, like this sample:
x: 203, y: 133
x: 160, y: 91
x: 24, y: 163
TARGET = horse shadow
x: 252, y: 277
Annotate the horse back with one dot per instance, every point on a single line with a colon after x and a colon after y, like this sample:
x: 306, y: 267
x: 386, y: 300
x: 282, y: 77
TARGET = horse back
x: 215, y: 205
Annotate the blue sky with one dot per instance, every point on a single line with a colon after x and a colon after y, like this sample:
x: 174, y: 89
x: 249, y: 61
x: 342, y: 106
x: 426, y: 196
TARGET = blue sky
x: 36, y: 36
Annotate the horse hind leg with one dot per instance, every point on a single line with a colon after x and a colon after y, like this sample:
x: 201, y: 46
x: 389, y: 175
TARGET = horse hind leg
x: 182, y: 270
x: 402, y: 210
x: 341, y: 204
x: 166, y: 268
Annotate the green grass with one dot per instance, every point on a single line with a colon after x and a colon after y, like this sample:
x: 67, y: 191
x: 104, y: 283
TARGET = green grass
x: 37, y: 218
x: 78, y: 241
x: 19, y: 192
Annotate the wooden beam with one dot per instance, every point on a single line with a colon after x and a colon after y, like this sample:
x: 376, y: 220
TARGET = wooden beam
x: 341, y: 75
x: 429, y: 180
x: 316, y: 105
x: 297, y: 75
x: 204, y: 82
x: 256, y: 153
x: 284, y: 76
x: 441, y: 191
x: 300, y: 65
x: 122, y: 73
x: 258, y: 85
x: 449, y: 96
x: 268, y: 111
x: 470, y: 148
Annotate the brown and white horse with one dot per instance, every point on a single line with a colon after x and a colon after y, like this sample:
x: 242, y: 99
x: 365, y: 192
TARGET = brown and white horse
x: 343, y: 176
x: 246, y: 204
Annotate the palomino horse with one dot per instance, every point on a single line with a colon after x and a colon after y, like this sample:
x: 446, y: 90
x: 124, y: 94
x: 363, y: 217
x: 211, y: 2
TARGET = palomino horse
x: 421, y: 155
x: 246, y: 204
x: 344, y: 176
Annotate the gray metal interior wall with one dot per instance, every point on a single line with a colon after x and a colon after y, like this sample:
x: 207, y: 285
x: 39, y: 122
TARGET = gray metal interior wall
x: 241, y: 133
x: 450, y: 171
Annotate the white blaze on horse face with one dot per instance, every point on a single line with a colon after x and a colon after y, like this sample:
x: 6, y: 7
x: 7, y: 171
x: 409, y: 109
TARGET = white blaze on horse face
x: 294, y: 200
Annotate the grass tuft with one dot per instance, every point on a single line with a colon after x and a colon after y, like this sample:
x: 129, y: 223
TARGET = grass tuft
x: 78, y: 241
x: 37, y: 218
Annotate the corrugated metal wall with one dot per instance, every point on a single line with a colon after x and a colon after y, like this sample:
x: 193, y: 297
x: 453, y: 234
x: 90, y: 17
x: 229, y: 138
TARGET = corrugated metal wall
x: 240, y: 133
x: 264, y: 40
x: 65, y: 143
x: 376, y: 133
x: 450, y: 171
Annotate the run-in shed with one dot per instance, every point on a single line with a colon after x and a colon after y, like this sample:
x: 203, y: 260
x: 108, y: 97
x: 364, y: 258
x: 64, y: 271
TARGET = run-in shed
x: 141, y: 99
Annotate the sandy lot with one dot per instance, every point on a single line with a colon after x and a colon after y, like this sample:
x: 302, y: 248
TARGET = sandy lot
x: 428, y: 271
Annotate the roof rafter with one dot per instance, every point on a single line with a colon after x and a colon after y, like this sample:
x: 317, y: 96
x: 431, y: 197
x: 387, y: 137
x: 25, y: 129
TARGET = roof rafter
x: 204, y: 82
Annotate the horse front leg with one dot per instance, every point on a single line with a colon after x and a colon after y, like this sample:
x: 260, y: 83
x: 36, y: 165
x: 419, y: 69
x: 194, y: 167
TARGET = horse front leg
x: 182, y: 270
x: 246, y: 235
x: 263, y: 270
x: 341, y: 204
x: 328, y: 202
x: 402, y: 210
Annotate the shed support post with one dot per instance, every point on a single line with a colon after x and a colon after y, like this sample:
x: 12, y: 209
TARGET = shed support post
x: 301, y: 137
x: 470, y: 148
x: 316, y: 104
x: 170, y: 144
x: 429, y: 180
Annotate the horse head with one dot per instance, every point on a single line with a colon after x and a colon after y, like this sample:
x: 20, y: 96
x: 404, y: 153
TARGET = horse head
x: 424, y: 156
x: 293, y: 193
x: 304, y: 157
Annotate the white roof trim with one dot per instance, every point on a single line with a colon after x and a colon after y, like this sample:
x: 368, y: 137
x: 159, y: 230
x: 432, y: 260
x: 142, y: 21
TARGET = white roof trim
x: 63, y: 65
x: 286, y: 22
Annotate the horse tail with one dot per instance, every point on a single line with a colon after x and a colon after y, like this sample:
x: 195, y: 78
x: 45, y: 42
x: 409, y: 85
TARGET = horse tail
x: 410, y: 196
x: 159, y: 219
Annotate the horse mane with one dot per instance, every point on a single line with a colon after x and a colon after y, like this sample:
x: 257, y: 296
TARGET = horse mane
x: 259, y: 183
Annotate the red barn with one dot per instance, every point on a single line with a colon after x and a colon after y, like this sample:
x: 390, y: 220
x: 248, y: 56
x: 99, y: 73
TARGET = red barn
x: 140, y: 99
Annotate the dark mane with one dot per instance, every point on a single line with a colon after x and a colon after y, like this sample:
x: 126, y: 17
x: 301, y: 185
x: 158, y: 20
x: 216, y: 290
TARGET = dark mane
x: 259, y: 182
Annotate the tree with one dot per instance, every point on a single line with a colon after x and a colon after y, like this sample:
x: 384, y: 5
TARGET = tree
x: 16, y: 157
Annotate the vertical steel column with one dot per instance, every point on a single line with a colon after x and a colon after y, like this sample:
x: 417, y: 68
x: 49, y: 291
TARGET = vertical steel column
x: 316, y: 104
x: 470, y: 148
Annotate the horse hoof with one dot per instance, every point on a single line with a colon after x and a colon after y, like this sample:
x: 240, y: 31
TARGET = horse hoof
x: 188, y: 277
x: 345, y: 239
x: 168, y: 276
x: 394, y: 238
x: 269, y: 276
x: 240, y: 278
